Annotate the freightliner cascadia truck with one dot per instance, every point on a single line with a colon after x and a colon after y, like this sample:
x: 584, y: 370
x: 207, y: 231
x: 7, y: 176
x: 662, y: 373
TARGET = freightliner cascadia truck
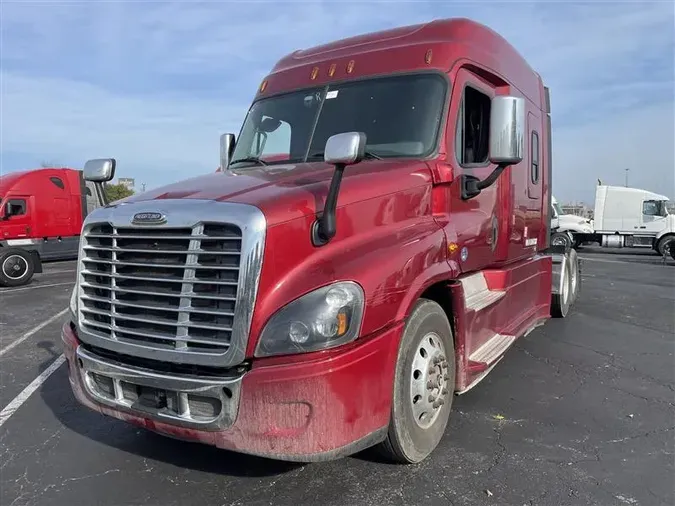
x: 377, y: 240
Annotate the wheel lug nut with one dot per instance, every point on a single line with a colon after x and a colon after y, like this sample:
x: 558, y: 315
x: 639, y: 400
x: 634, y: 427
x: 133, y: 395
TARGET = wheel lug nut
x: 441, y: 401
x: 445, y: 391
x: 430, y: 385
x: 431, y: 398
x: 432, y: 370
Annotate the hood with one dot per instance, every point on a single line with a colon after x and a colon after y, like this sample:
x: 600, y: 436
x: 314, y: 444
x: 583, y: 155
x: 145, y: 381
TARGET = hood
x: 574, y: 219
x: 286, y: 192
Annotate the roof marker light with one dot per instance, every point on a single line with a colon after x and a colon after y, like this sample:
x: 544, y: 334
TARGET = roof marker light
x: 350, y: 66
x: 263, y: 86
x: 427, y: 56
x: 315, y: 72
x: 331, y: 70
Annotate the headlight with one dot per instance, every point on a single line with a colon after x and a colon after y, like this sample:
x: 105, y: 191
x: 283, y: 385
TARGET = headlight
x: 325, y: 318
x: 73, y: 301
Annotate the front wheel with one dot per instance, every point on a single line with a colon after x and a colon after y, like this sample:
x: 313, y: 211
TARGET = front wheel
x: 561, y: 239
x: 424, y: 385
x: 16, y: 267
x: 666, y: 245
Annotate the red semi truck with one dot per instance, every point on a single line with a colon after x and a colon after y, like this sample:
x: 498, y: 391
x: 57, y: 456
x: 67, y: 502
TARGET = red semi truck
x: 41, y: 216
x: 336, y: 295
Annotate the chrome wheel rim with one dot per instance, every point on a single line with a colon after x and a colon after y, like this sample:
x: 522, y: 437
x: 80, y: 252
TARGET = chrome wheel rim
x: 560, y: 241
x: 566, y: 283
x: 573, y: 279
x: 428, y: 380
x: 15, y: 267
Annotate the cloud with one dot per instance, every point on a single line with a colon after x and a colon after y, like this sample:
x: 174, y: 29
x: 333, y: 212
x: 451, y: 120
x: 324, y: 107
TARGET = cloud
x: 154, y: 84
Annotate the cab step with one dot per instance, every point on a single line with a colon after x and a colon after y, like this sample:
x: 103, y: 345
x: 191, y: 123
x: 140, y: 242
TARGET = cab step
x: 477, y: 295
x: 492, y: 349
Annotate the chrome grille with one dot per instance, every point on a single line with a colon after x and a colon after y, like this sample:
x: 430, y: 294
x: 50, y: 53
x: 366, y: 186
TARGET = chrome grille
x: 164, y: 288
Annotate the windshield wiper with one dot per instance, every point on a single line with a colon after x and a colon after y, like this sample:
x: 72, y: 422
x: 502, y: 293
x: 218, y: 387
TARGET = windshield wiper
x: 367, y: 154
x: 252, y: 159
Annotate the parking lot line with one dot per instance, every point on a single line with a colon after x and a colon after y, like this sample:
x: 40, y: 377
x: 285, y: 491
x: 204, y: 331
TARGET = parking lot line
x: 21, y: 339
x: 60, y: 271
x: 34, y: 286
x: 23, y: 396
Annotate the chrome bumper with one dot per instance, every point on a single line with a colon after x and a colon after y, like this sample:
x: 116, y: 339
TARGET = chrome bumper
x: 186, y: 401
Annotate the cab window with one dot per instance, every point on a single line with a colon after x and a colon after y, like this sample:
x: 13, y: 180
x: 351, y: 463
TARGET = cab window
x: 653, y: 208
x: 473, y: 128
x: 14, y: 207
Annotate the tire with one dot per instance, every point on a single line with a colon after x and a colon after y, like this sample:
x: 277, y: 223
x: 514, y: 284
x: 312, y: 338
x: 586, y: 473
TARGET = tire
x: 561, y: 239
x: 560, y: 302
x: 661, y: 245
x: 16, y: 267
x: 575, y: 276
x: 427, y: 342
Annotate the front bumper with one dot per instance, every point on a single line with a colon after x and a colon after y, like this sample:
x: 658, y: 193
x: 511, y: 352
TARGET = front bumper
x: 311, y: 408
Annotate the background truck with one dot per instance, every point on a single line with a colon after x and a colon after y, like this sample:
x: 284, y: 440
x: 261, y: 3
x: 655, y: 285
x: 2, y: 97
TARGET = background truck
x: 338, y: 294
x: 567, y: 225
x: 41, y: 215
x: 627, y: 217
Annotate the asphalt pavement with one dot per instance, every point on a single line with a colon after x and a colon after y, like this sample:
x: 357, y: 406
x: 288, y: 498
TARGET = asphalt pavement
x: 580, y: 412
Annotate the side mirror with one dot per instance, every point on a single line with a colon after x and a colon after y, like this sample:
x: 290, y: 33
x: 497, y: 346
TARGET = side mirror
x: 341, y: 150
x: 227, y: 143
x: 346, y: 148
x: 507, y: 130
x: 99, y: 170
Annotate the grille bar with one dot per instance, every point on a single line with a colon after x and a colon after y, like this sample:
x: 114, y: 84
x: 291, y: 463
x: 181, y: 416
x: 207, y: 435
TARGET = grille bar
x: 157, y: 336
x: 167, y: 237
x: 153, y: 280
x: 162, y: 265
x: 150, y: 307
x: 164, y: 252
x: 157, y: 292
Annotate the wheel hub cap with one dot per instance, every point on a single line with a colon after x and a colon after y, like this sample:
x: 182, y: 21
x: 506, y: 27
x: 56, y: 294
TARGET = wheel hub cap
x: 14, y: 267
x: 428, y: 380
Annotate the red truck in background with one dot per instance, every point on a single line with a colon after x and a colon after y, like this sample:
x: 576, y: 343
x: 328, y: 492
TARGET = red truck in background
x: 41, y: 215
x: 337, y: 295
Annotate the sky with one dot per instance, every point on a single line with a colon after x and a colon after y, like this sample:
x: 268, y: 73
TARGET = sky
x: 154, y: 84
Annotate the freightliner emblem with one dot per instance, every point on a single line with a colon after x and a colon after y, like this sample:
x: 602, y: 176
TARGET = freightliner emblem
x: 148, y: 218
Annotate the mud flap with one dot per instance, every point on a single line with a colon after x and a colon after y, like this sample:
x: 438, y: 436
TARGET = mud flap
x: 37, y: 263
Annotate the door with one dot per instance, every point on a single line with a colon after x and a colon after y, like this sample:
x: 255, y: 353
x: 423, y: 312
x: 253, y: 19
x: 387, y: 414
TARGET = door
x: 479, y: 222
x: 654, y: 216
x: 16, y: 218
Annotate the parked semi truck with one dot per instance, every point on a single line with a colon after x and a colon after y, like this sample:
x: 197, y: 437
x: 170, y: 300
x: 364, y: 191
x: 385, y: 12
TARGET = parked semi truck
x: 336, y: 294
x: 567, y: 225
x: 625, y: 217
x: 41, y: 216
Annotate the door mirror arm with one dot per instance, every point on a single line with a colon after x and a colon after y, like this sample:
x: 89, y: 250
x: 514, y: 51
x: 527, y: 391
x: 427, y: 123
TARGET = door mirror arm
x: 472, y: 186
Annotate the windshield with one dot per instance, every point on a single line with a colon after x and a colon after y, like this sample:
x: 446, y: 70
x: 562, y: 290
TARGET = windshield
x: 399, y: 115
x: 558, y: 209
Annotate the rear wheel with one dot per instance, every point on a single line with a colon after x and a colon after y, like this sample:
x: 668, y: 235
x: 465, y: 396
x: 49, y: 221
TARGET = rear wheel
x: 16, y: 267
x: 575, y: 275
x: 424, y: 385
x: 560, y: 303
